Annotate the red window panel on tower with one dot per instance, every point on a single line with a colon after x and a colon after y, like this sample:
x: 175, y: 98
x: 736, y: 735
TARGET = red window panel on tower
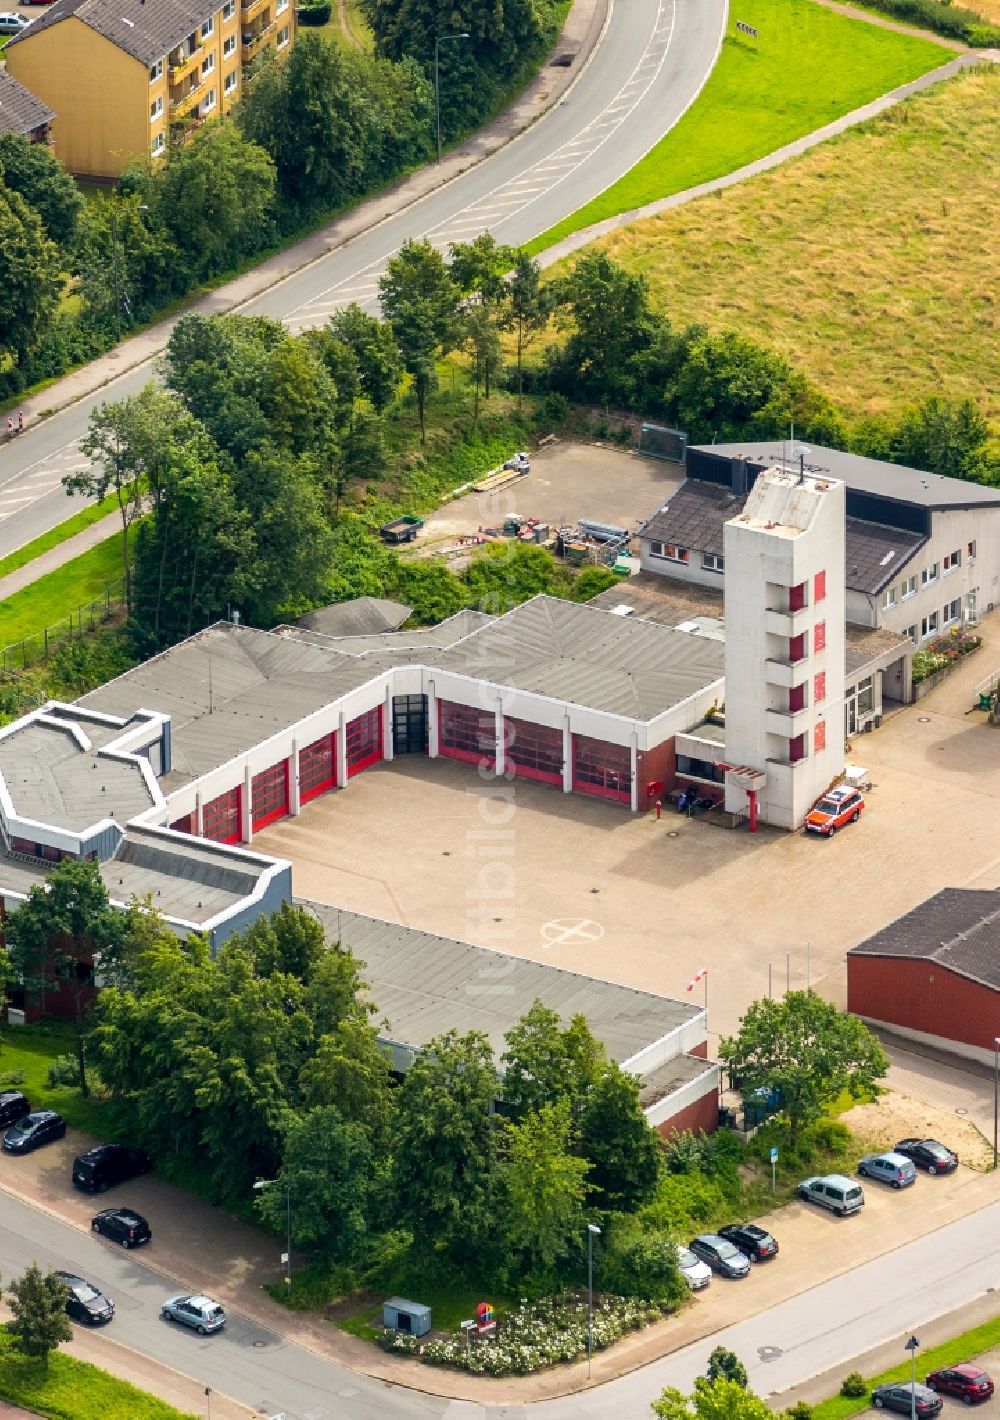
x: 220, y: 818
x: 269, y: 795
x: 819, y: 687
x: 819, y: 636
x: 317, y: 768
x: 819, y: 736
x: 364, y: 741
x: 797, y: 597
x: 819, y: 586
x: 797, y: 748
x: 797, y: 698
x: 797, y: 646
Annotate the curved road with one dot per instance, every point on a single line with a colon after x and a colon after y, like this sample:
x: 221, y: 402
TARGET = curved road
x: 805, y: 1336
x: 650, y: 66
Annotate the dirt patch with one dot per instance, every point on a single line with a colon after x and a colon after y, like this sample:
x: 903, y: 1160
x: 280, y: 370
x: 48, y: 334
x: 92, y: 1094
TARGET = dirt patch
x: 897, y: 1116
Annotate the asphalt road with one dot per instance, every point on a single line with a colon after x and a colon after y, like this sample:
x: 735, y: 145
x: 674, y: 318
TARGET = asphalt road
x: 819, y: 1329
x: 651, y: 64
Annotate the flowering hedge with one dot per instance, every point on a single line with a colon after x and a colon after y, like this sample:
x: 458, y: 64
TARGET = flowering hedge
x: 943, y: 652
x: 535, y: 1335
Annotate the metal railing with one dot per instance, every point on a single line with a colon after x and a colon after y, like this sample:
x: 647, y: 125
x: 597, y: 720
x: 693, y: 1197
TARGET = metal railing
x: 19, y: 655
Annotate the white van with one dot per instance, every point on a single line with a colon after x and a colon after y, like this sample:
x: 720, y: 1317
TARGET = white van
x: 834, y: 1191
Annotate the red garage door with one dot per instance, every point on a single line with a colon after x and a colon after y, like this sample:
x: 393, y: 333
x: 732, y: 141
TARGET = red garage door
x: 220, y: 818
x: 364, y: 741
x: 465, y: 732
x: 534, y: 751
x: 269, y: 799
x: 602, y: 769
x: 317, y: 768
x: 183, y: 825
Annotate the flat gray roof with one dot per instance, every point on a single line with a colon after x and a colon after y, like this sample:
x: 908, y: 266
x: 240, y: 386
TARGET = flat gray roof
x: 424, y: 985
x: 669, y: 1076
x: 52, y: 779
x: 394, y: 647
x: 885, y: 480
x: 587, y: 656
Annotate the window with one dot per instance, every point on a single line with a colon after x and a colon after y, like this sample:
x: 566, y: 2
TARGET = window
x: 888, y: 598
x: 819, y: 636
x: 209, y: 103
x: 866, y: 696
x: 929, y: 625
x: 911, y: 631
x: 712, y: 562
x: 953, y: 611
x: 929, y: 575
x: 819, y: 736
x: 970, y: 551
x: 952, y: 562
x: 158, y: 144
x: 283, y: 34
x: 207, y: 65
x: 156, y: 72
x: 819, y: 586
x: 208, y: 28
x: 668, y: 550
x: 228, y: 46
x: 909, y: 588
x: 281, y: 7
x: 231, y: 82
x: 155, y: 109
x: 228, y: 10
x: 819, y: 686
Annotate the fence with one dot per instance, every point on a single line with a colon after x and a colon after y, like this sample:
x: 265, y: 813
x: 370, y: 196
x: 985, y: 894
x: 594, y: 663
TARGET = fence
x: 21, y: 654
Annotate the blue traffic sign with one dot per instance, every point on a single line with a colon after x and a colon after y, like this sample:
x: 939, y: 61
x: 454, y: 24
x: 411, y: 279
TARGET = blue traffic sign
x: 774, y: 1156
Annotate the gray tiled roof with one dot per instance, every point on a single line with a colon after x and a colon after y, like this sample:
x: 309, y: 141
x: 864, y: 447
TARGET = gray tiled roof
x: 146, y: 29
x: 885, y: 480
x: 958, y: 928
x: 363, y: 616
x: 396, y: 647
x: 20, y: 111
x: 696, y: 514
x: 51, y: 778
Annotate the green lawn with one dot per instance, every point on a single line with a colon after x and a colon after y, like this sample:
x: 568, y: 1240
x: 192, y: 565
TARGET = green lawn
x: 75, y: 1390
x: 93, y: 513
x: 808, y: 66
x: 56, y: 597
x: 26, y: 1052
x: 960, y: 1348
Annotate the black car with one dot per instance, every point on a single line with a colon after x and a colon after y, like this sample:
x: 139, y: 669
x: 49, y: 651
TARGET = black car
x: 13, y: 1106
x: 757, y: 1244
x: 84, y: 1302
x: 928, y: 1154
x: 720, y: 1255
x: 106, y: 1164
x: 34, y: 1130
x: 906, y: 1398
x: 123, y: 1226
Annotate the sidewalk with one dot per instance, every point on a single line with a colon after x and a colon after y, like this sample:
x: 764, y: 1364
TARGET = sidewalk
x: 56, y: 556
x: 584, y: 27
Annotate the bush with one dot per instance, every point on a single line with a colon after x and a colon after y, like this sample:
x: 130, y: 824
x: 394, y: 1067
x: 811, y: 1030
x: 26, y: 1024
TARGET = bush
x: 943, y: 18
x: 799, y: 1411
x: 854, y: 1386
x: 64, y: 1070
x: 552, y: 410
x: 315, y: 14
x: 643, y: 1264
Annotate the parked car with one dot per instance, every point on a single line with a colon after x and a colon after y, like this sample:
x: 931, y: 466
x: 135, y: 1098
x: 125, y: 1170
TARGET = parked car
x: 201, y: 1313
x: 13, y: 1106
x: 898, y: 1397
x: 967, y: 1382
x: 836, y: 807
x: 696, y: 1273
x: 758, y: 1244
x: 34, y: 1130
x: 834, y: 1191
x: 11, y: 23
x: 106, y: 1164
x: 720, y: 1255
x: 520, y: 462
x: 122, y: 1226
x: 894, y: 1169
x: 83, y: 1300
x: 928, y: 1154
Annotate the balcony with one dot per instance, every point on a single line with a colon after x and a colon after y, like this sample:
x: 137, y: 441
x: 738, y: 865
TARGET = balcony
x: 182, y: 105
x: 786, y: 623
x: 786, y: 723
x: 182, y: 62
x: 783, y: 673
x: 251, y: 9
x: 254, y: 43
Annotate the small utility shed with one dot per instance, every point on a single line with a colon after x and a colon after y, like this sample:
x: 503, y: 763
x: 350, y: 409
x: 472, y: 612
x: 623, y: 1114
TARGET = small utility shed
x: 412, y: 1318
x: 933, y: 975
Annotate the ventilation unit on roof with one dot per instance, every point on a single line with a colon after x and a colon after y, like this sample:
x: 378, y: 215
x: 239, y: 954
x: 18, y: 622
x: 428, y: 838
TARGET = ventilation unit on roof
x: 622, y: 610
x: 887, y: 559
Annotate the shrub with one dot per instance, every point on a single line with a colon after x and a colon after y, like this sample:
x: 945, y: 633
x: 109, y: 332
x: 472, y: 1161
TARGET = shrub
x: 552, y: 410
x: 14, y: 1079
x: 854, y: 1386
x: 643, y: 1264
x: 64, y: 1070
x: 943, y: 18
x: 315, y: 14
x: 799, y: 1411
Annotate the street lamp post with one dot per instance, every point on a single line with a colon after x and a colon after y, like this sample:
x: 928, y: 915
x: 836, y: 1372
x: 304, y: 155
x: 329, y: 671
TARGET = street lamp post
x: 592, y: 1229
x: 263, y: 1183
x: 441, y: 39
x: 911, y: 1346
x: 996, y: 1093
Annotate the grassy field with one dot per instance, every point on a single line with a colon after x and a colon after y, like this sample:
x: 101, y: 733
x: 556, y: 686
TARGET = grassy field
x: 871, y: 262
x: 808, y: 66
x: 93, y: 513
x: 75, y: 1390
x: 25, y: 1056
x: 59, y: 593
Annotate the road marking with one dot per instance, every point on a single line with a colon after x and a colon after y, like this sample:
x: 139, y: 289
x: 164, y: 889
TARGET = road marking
x: 570, y: 932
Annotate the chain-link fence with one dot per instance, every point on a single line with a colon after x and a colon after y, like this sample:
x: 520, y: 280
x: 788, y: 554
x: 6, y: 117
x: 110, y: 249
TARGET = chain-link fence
x: 21, y: 654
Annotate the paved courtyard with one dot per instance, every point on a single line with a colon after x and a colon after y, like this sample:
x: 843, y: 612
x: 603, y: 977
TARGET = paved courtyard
x: 584, y: 885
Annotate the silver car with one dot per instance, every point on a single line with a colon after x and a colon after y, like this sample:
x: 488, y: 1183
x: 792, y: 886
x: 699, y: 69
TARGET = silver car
x: 895, y: 1169
x: 697, y: 1274
x: 11, y: 23
x: 200, y: 1313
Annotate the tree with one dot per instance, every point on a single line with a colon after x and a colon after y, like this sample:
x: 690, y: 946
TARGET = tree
x: 622, y: 1148
x: 504, y: 575
x: 592, y: 581
x: 480, y: 336
x: 29, y: 291
x: 726, y: 1365
x: 290, y: 941
x: 444, y: 1176
x: 545, y: 1063
x: 726, y: 383
x: 544, y: 1185
x: 353, y: 1070
x: 478, y: 268
x: 126, y: 263
x: 431, y: 589
x: 420, y: 302
x: 943, y: 438
x: 720, y: 1399
x: 38, y: 1303
x: 373, y: 345
x: 37, y: 174
x: 361, y: 456
x: 607, y: 311
x: 530, y: 308
x: 806, y: 1050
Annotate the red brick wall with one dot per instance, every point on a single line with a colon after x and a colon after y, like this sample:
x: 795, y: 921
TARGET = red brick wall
x: 924, y: 996
x: 702, y: 1117
x: 657, y: 765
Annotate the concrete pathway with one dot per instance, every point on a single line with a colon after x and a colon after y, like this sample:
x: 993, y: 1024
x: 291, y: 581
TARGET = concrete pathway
x: 56, y: 556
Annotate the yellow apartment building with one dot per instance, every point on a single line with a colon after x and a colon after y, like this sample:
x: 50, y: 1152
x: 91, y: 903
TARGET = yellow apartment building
x: 122, y: 74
